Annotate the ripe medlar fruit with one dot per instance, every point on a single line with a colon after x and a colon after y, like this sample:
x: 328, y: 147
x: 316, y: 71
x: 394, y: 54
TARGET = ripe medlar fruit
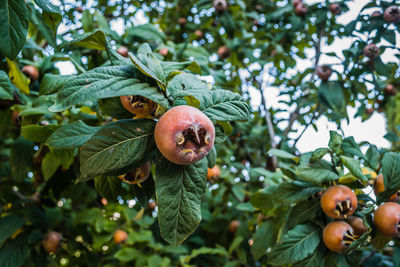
x: 335, y: 9
x: 138, y: 175
x: 390, y: 90
x: 123, y: 51
x: 223, y: 52
x: 184, y: 135
x: 79, y: 9
x: 371, y: 51
x: 392, y: 14
x: 324, y: 72
x: 163, y: 51
x: 120, y: 236
x: 387, y: 219
x: 31, y: 72
x: 182, y: 21
x: 338, y: 236
x: 220, y: 5
x: 358, y: 225
x: 233, y: 226
x: 379, y: 187
x: 199, y: 35
x: 51, y: 242
x: 213, y: 173
x: 138, y: 105
x: 301, y: 9
x: 376, y: 14
x: 339, y: 202
x: 296, y: 2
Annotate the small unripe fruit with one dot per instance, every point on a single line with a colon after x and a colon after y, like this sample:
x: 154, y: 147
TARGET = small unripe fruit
x: 296, y: 2
x: 138, y: 175
x: 324, y: 72
x: 358, y: 225
x: 51, y: 242
x: 376, y: 14
x: 220, y: 5
x: 390, y: 90
x: 335, y: 9
x: 339, y: 202
x: 184, y: 135
x: 301, y: 9
x: 371, y: 51
x: 31, y: 72
x: 223, y: 52
x: 123, y: 51
x: 182, y: 21
x: 163, y: 51
x: 387, y: 219
x: 213, y: 173
x: 392, y: 14
x: 120, y: 236
x: 138, y: 105
x: 338, y: 236
x: 233, y: 226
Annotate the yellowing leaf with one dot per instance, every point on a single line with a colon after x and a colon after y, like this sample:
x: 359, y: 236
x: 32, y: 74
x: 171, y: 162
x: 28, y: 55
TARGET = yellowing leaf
x: 17, y: 77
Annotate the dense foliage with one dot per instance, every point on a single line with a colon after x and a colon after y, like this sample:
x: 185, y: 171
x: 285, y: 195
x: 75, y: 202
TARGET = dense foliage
x: 75, y: 154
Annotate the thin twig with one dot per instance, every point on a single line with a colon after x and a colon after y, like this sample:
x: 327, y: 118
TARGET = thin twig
x: 314, y: 117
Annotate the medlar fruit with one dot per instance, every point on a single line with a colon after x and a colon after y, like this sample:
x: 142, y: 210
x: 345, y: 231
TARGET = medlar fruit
x: 390, y: 90
x: 182, y: 21
x: 199, y: 35
x: 301, y: 9
x: 387, y: 219
x: 184, y: 135
x: 31, y: 72
x: 335, y: 9
x: 339, y: 202
x: 296, y: 2
x: 163, y: 51
x: 213, y: 173
x: 338, y: 236
x: 392, y: 14
x: 358, y: 225
x: 51, y: 242
x: 379, y: 187
x: 324, y: 72
x: 376, y: 14
x: 233, y: 226
x: 138, y: 175
x: 123, y: 51
x: 138, y: 105
x: 120, y: 236
x: 371, y: 51
x: 223, y: 52
x: 220, y: 5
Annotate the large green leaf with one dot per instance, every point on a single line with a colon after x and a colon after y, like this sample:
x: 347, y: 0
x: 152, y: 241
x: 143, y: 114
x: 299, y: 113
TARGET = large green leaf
x: 95, y: 40
x: 47, y: 6
x: 354, y: 166
x: 117, y: 146
x: 14, y: 27
x: 51, y: 83
x: 331, y: 94
x: 296, y: 245
x: 391, y: 172
x: 8, y: 225
x: 179, y: 189
x: 6, y: 90
x: 304, y: 211
x: 21, y: 158
x: 38, y: 133
x: 54, y: 159
x: 14, y: 252
x: 188, y: 86
x: 146, y: 32
x: 263, y: 239
x: 108, y: 187
x: 105, y: 82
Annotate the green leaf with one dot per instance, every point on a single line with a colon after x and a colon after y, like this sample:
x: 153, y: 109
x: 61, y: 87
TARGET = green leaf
x: 390, y: 36
x: 47, y: 6
x: 315, y: 260
x: 54, y: 159
x: 372, y: 156
x: 71, y: 135
x: 95, y: 40
x: 126, y: 254
x: 212, y: 157
x: 206, y: 251
x: 6, y: 90
x: 108, y: 187
x: 14, y: 27
x: 304, y: 211
x: 354, y: 167
x: 105, y: 82
x: 391, y: 172
x: 21, y: 158
x: 281, y: 153
x: 318, y: 154
x: 15, y: 252
x: 179, y: 189
x: 335, y: 141
x: 116, y: 147
x: 170, y: 66
x: 350, y: 147
x: 317, y: 175
x: 184, y: 85
x: 331, y: 94
x: 48, y: 26
x: 51, y: 83
x: 8, y: 225
x: 263, y: 239
x: 113, y: 107
x: 37, y: 133
x: 296, y: 245
x: 146, y: 32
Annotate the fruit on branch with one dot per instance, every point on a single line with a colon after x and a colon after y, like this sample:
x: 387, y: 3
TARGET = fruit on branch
x: 376, y: 14
x: 138, y: 175
x: 338, y: 236
x: 324, y: 72
x: 296, y: 2
x: 163, y: 51
x: 358, y: 225
x: 392, y: 14
x: 152, y: 205
x: 182, y: 21
x: 369, y: 111
x: 223, y: 52
x: 387, y: 219
x: 199, y: 35
x: 184, y: 135
x: 220, y: 5
x: 335, y: 9
x: 79, y: 9
x: 390, y: 90
x: 379, y: 187
x: 120, y: 236
x: 213, y: 173
x: 51, y: 242
x: 138, y: 105
x: 31, y: 72
x: 123, y: 51
x: 301, y: 9
x: 339, y: 202
x: 233, y: 226
x: 371, y: 51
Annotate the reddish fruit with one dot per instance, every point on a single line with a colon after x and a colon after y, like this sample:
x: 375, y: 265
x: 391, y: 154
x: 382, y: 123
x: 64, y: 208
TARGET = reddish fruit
x: 223, y: 52
x: 31, y: 72
x: 335, y: 9
x: 387, y: 218
x: 79, y: 9
x: 376, y: 14
x: 152, y: 205
x: 199, y: 35
x: 339, y: 202
x: 104, y: 201
x: 301, y: 9
x: 233, y: 226
x: 184, y: 135
x: 51, y: 242
x: 138, y: 105
x: 182, y: 21
x: 338, y: 236
x: 371, y: 51
x: 163, y: 51
x: 258, y: 7
x: 392, y: 14
x: 138, y: 175
x: 369, y: 111
x: 358, y: 225
x: 390, y: 90
x: 324, y: 72
x: 220, y: 5
x: 120, y: 236
x: 213, y: 173
x: 296, y: 2
x: 123, y: 51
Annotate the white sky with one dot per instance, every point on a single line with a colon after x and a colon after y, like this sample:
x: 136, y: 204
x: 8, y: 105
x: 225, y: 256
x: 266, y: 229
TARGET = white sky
x: 371, y: 130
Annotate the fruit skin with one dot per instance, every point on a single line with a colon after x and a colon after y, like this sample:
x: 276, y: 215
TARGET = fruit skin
x: 335, y: 9
x: 392, y: 14
x: 199, y: 35
x: 390, y: 90
x: 223, y: 52
x: 324, y: 72
x: 213, y: 173
x: 376, y: 14
x: 123, y: 51
x: 220, y: 5
x: 120, y: 236
x: 334, y: 235
x: 379, y: 187
x: 182, y: 21
x: 138, y: 105
x: 301, y: 9
x: 387, y: 218
x: 371, y: 51
x: 339, y: 195
x: 233, y: 226
x: 138, y: 175
x: 163, y: 51
x: 296, y: 2
x: 184, y: 135
x: 51, y: 242
x: 31, y: 72
x: 358, y: 225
